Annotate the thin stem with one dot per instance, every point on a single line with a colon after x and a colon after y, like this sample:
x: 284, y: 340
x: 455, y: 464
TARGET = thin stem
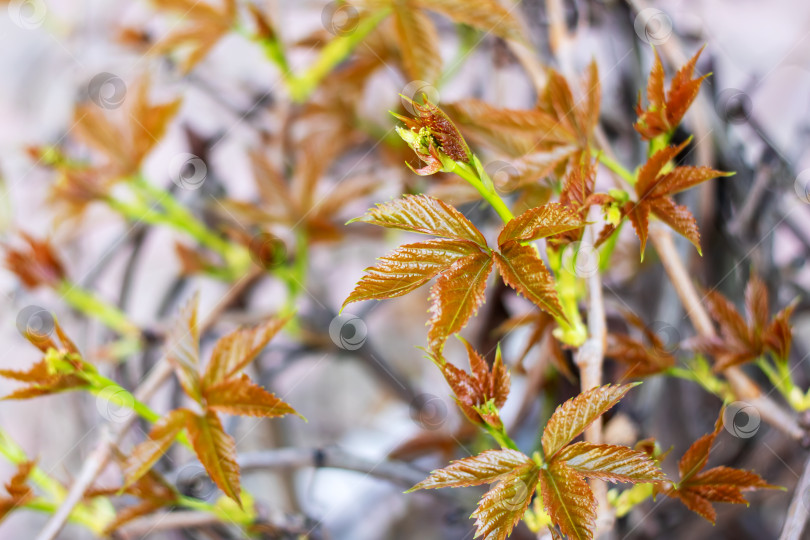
x: 617, y: 168
x: 301, y: 86
x: 96, y: 308
x: 487, y: 190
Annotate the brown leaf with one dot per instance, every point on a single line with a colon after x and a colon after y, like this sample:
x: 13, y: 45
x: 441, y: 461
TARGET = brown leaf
x: 568, y: 500
x: 235, y: 351
x: 487, y: 15
x: 665, y: 110
x: 418, y: 42
x: 20, y: 493
x: 654, y: 188
x: 694, y: 459
x: 485, y: 468
x: 611, y: 463
x: 184, y: 349
x: 161, y: 437
x: 408, y: 268
x: 540, y: 222
x: 216, y: 450
x: 202, y: 27
x: 456, y: 296
x: 522, y: 269
x: 572, y: 417
x: 640, y: 360
x: 501, y: 508
x: 480, y: 385
x: 240, y: 396
x: 36, y: 263
x: 425, y: 215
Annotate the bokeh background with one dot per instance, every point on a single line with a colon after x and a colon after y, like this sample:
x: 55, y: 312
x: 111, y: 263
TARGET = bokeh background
x: 367, y: 391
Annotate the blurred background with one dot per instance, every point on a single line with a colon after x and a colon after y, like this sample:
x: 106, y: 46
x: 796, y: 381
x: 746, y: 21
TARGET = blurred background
x: 256, y: 155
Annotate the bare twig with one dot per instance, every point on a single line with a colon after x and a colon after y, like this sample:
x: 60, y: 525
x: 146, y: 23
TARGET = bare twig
x: 743, y: 387
x: 799, y: 509
x: 589, y: 359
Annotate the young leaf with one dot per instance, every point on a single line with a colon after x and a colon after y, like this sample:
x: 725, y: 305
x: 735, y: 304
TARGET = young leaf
x: 426, y: 215
x: 161, y: 437
x: 654, y: 189
x: 540, y: 222
x: 641, y: 359
x: 697, y: 488
x: 742, y: 340
x: 35, y: 264
x: 572, y: 417
x: 487, y: 15
x: 240, y: 396
x: 418, y: 42
x: 19, y: 492
x: 568, y: 500
x: 203, y: 26
x: 611, y: 463
x: 476, y: 388
x: 485, y: 468
x: 456, y: 296
x: 216, y: 451
x: 408, y: 268
x: 500, y: 509
x: 235, y: 351
x: 184, y: 349
x: 523, y: 270
x: 665, y: 110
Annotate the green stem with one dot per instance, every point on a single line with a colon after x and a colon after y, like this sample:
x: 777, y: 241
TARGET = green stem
x: 301, y: 86
x: 92, y: 306
x: 617, y: 168
x: 119, y: 396
x: 487, y: 190
x: 501, y: 437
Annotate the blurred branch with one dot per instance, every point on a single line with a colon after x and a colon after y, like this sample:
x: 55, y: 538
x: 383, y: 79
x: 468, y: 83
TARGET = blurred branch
x: 799, y: 509
x: 101, y: 454
x: 744, y: 388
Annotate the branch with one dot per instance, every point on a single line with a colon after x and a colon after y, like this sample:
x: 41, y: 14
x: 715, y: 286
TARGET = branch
x: 799, y: 509
x: 101, y: 454
x: 743, y: 387
x: 589, y: 360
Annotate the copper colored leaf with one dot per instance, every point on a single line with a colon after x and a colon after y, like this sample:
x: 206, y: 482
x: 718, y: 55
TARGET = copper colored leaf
x: 639, y: 359
x: 409, y: 267
x: 216, y: 450
x: 522, y: 269
x: 240, y: 396
x: 568, y: 501
x: 419, y: 42
x: 639, y: 214
x: 679, y: 218
x: 572, y: 417
x: 485, y: 468
x: 697, y: 504
x: 456, y: 296
x: 426, y: 215
x: 184, y: 349
x: 161, y: 437
x: 501, y: 508
x: 36, y: 263
x: 756, y: 304
x: 611, y: 463
x: 20, y: 493
x: 476, y: 388
x: 540, y: 222
x: 694, y: 459
x: 235, y: 351
x: 727, y: 476
x: 486, y: 15
x: 665, y: 109
x: 778, y: 334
